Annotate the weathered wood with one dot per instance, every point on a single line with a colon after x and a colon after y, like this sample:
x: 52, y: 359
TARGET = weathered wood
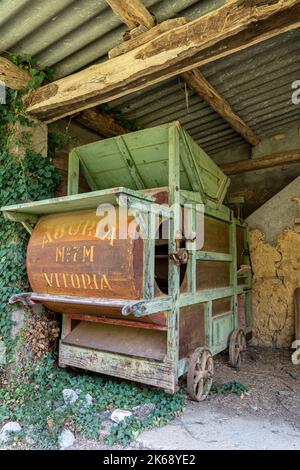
x: 233, y: 27
x: 13, y: 76
x: 270, y: 161
x: 158, y: 374
x: 211, y: 256
x: 117, y: 321
x: 196, y: 80
x: 130, y: 164
x: 100, y: 122
x: 175, y: 231
x: 73, y: 173
x: 75, y: 202
x: 132, y: 12
x: 147, y: 36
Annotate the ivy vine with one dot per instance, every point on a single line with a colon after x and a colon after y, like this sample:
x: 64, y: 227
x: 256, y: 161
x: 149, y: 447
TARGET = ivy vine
x: 24, y: 177
x: 34, y: 397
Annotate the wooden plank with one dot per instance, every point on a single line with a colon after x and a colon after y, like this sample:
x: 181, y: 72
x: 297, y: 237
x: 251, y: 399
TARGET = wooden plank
x: 129, y: 163
x: 142, y: 343
x: 13, y: 76
x: 190, y: 229
x: 149, y: 262
x: 132, y: 12
x: 231, y: 28
x: 75, y: 202
x: 117, y: 321
x: 73, y: 173
x: 205, y: 296
x: 196, y: 80
x: 270, y: 161
x: 211, y: 256
x: 147, y: 36
x: 233, y: 270
x: 144, y: 307
x: 158, y: 374
x: 208, y: 324
x: 174, y: 270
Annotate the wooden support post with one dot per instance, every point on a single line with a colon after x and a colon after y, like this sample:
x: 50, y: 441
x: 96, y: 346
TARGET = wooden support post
x: 208, y: 324
x: 233, y: 269
x: 190, y: 230
x: 150, y: 256
x: 73, y: 173
x: 175, y: 227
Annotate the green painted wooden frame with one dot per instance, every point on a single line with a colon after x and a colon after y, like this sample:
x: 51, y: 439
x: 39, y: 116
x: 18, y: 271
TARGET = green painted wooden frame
x: 183, y: 156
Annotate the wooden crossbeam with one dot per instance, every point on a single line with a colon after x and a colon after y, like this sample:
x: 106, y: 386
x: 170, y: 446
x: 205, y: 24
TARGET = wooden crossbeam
x: 132, y: 12
x: 16, y: 78
x: 193, y: 78
x: 233, y: 27
x: 13, y: 76
x: 200, y: 85
x: 146, y: 36
x: 100, y: 122
x: 269, y: 161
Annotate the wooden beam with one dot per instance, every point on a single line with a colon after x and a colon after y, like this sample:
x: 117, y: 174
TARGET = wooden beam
x: 200, y: 85
x: 132, y: 12
x: 16, y: 78
x: 270, y: 161
x: 145, y: 37
x: 193, y: 78
x: 99, y: 122
x: 231, y: 28
x: 13, y: 76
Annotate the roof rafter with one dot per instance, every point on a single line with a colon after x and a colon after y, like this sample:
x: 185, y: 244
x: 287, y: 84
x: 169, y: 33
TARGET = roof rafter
x: 193, y: 78
x: 104, y: 124
x: 232, y: 27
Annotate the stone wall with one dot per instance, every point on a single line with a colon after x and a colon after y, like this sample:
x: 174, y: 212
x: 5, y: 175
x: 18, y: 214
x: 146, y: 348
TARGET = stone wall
x: 275, y: 256
x: 276, y: 276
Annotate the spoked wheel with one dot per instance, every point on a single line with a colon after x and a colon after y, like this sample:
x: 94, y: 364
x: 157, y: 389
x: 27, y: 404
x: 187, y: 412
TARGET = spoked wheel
x: 237, y: 348
x: 200, y: 374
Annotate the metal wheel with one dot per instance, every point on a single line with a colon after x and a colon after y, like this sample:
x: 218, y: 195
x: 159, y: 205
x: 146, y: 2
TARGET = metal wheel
x: 237, y: 348
x: 200, y: 374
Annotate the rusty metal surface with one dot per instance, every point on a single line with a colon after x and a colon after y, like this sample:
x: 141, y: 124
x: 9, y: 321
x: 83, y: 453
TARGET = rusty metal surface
x: 66, y: 257
x: 150, y: 344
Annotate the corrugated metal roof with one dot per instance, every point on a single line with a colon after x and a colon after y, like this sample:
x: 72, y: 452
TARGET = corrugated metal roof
x: 72, y: 34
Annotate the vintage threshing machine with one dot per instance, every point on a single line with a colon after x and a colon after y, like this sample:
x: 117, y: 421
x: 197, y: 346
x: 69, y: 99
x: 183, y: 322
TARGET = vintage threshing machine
x: 151, y: 307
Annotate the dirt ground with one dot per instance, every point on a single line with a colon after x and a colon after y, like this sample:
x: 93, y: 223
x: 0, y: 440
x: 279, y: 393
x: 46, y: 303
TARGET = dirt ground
x: 267, y: 417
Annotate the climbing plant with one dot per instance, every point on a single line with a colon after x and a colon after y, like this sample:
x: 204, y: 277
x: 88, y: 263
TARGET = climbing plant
x: 24, y: 176
x: 34, y: 397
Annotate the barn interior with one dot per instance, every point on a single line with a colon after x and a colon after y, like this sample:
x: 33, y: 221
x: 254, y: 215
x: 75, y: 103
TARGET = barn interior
x: 228, y: 71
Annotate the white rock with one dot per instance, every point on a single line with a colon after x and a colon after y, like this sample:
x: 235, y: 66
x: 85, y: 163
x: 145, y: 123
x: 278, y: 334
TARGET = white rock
x: 88, y: 399
x: 8, y: 428
x: 2, y: 353
x: 66, y: 439
x: 70, y: 396
x: 118, y: 416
